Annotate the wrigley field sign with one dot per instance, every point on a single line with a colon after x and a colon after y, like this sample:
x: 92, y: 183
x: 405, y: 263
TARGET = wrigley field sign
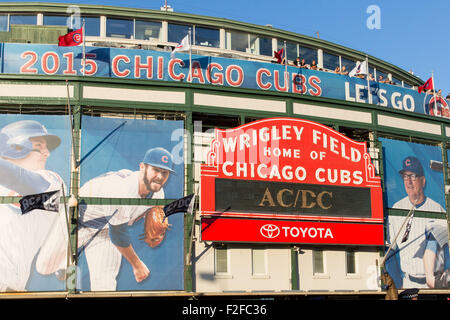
x: 294, y: 172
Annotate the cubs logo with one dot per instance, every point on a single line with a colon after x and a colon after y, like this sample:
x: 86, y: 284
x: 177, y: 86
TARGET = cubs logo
x: 436, y: 106
x: 77, y: 38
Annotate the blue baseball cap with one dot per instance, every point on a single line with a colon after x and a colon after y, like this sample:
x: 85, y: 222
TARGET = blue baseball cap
x: 160, y: 158
x: 412, y: 164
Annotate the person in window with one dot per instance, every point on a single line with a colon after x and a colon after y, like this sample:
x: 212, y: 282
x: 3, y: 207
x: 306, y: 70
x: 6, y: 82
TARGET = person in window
x: 297, y: 62
x: 337, y: 70
x: 382, y: 80
x: 344, y: 71
x: 371, y: 78
x: 303, y: 64
x: 313, y: 66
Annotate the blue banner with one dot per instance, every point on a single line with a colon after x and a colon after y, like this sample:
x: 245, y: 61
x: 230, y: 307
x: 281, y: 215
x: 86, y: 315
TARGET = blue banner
x: 155, y: 65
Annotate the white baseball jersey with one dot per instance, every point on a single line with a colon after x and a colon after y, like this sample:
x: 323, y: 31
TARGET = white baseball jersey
x: 102, y: 256
x: 428, y: 205
x: 22, y: 235
x: 411, y: 251
x: 117, y: 184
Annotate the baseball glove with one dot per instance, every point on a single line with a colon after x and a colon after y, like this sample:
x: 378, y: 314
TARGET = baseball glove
x: 155, y: 227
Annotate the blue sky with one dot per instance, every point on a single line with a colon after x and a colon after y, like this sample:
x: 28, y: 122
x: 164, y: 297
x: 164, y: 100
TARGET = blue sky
x: 413, y: 34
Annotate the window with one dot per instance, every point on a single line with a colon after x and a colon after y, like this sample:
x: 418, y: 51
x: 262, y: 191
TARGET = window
x: 291, y: 49
x: 177, y: 32
x: 237, y: 41
x: 350, y: 262
x: 53, y: 20
x: 23, y: 19
x: 382, y: 74
x: 308, y: 54
x: 318, y: 265
x: 259, y: 262
x: 92, y: 25
x: 330, y: 61
x: 221, y: 260
x: 349, y: 64
x: 254, y: 44
x: 147, y: 30
x: 397, y: 81
x: 207, y: 37
x: 265, y: 46
x: 119, y: 28
x: 4, y: 22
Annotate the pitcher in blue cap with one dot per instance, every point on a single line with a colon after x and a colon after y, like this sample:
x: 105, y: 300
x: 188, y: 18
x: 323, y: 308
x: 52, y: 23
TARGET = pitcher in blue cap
x: 105, y: 243
x: 155, y: 170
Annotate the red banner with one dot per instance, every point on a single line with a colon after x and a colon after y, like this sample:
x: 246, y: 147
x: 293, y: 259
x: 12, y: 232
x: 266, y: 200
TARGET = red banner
x: 291, y: 169
x: 278, y: 231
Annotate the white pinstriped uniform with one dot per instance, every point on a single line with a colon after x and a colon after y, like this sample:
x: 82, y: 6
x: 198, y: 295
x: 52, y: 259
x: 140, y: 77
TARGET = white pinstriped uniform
x: 102, y: 256
x: 411, y: 251
x: 22, y: 236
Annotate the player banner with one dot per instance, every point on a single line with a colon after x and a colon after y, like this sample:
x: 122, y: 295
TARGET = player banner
x: 415, y: 188
x: 35, y: 154
x: 401, y: 160
x: 155, y: 65
x: 122, y: 246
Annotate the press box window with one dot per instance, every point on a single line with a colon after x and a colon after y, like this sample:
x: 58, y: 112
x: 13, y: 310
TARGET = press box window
x: 237, y: 41
x: 221, y: 260
x: 291, y: 49
x: 147, y: 30
x: 207, y: 37
x: 308, y: 54
x: 265, y: 47
x: 92, y: 25
x: 53, y: 20
x: 22, y: 19
x: 177, y: 32
x: 349, y: 64
x: 330, y: 61
x: 119, y: 28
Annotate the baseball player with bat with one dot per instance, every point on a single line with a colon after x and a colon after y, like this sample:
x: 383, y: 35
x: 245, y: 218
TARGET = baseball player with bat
x: 24, y: 149
x: 103, y: 229
x: 421, y: 260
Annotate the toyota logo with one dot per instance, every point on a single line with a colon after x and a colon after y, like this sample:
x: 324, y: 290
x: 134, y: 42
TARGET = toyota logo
x: 269, y: 231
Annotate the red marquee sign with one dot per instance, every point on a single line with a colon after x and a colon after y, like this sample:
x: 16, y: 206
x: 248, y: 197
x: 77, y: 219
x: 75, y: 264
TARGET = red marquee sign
x: 292, y: 170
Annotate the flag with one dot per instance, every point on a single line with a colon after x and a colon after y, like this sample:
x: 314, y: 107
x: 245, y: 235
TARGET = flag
x: 279, y: 55
x: 185, y: 204
x: 73, y: 38
x: 45, y: 201
x: 408, y: 227
x: 184, y: 45
x: 428, y: 85
x: 360, y: 68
